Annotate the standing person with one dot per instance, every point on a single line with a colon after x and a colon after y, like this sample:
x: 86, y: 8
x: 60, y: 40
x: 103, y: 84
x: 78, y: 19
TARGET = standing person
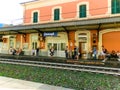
x: 104, y: 52
x: 66, y: 52
x: 37, y: 51
x: 76, y: 53
x: 94, y: 53
x: 14, y: 51
x: 33, y: 51
x: 52, y: 51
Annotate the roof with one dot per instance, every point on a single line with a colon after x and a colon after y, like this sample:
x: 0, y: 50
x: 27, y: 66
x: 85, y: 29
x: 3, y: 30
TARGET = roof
x: 94, y: 24
x: 29, y: 1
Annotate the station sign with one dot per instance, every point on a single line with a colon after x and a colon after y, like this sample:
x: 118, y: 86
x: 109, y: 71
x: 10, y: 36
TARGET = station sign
x: 45, y: 34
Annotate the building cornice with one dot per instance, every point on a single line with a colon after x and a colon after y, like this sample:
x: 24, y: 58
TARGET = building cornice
x: 75, y: 23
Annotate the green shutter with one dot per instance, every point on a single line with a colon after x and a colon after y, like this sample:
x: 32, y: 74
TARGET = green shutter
x: 118, y: 6
x: 35, y: 17
x: 115, y: 7
x: 56, y: 14
x: 82, y: 11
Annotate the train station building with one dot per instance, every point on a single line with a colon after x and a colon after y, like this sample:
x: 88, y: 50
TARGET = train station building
x: 59, y: 23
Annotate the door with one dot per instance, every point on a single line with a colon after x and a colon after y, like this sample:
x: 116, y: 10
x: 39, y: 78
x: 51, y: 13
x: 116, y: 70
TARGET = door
x: 58, y: 49
x: 12, y: 43
x: 82, y: 49
x: 34, y: 42
x: 34, y: 45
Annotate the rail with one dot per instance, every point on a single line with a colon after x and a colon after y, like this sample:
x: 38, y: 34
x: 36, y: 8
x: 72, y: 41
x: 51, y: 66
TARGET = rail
x: 86, y: 68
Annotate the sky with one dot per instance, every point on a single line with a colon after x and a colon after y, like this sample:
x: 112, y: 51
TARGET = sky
x: 11, y: 11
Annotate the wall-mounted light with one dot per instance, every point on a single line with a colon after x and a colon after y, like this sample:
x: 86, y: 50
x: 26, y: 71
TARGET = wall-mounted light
x: 4, y: 39
x: 41, y: 38
x: 94, y: 38
x: 24, y: 36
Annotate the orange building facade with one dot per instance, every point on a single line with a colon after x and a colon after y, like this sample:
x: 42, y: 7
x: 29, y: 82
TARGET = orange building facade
x: 74, y: 23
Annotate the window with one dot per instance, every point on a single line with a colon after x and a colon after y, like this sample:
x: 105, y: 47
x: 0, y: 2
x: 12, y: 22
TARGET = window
x: 12, y: 42
x: 35, y: 17
x: 82, y: 37
x: 115, y: 6
x: 56, y: 14
x: 63, y: 45
x: 34, y: 45
x: 49, y: 46
x: 57, y: 46
x: 82, y: 11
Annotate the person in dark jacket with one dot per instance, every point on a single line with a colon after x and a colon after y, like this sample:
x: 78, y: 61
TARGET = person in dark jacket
x: 66, y: 52
x: 37, y: 51
x: 52, y: 51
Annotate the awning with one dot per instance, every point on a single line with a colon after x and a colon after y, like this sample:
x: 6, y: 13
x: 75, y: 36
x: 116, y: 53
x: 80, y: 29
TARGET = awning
x: 90, y: 24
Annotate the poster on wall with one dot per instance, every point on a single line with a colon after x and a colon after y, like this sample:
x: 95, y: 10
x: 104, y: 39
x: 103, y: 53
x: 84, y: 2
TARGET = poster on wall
x: 25, y: 46
x: 18, y: 44
x: 42, y: 45
x: 4, y: 46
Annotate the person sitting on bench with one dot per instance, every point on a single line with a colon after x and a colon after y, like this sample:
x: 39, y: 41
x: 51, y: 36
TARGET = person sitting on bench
x: 113, y: 54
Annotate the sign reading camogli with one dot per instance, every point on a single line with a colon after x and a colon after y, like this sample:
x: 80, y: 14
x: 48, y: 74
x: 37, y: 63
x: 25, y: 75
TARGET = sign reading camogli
x: 50, y: 34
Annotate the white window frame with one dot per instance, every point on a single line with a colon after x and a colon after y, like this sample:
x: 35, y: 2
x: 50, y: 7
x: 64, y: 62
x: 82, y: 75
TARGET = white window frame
x: 60, y: 8
x: 87, y: 9
x: 38, y: 16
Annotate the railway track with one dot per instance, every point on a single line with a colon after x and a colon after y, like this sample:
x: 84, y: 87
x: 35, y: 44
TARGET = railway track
x: 93, y: 69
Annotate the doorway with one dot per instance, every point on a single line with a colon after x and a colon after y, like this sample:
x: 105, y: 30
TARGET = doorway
x: 82, y: 49
x: 12, y: 42
x: 34, y: 43
x: 58, y: 49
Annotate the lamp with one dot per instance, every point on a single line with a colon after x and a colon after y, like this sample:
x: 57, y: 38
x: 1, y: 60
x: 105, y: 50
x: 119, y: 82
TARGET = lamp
x: 24, y: 36
x: 94, y: 38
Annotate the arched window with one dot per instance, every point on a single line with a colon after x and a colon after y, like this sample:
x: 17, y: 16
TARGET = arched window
x: 82, y: 37
x: 35, y: 17
x: 115, y: 6
x: 82, y: 11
